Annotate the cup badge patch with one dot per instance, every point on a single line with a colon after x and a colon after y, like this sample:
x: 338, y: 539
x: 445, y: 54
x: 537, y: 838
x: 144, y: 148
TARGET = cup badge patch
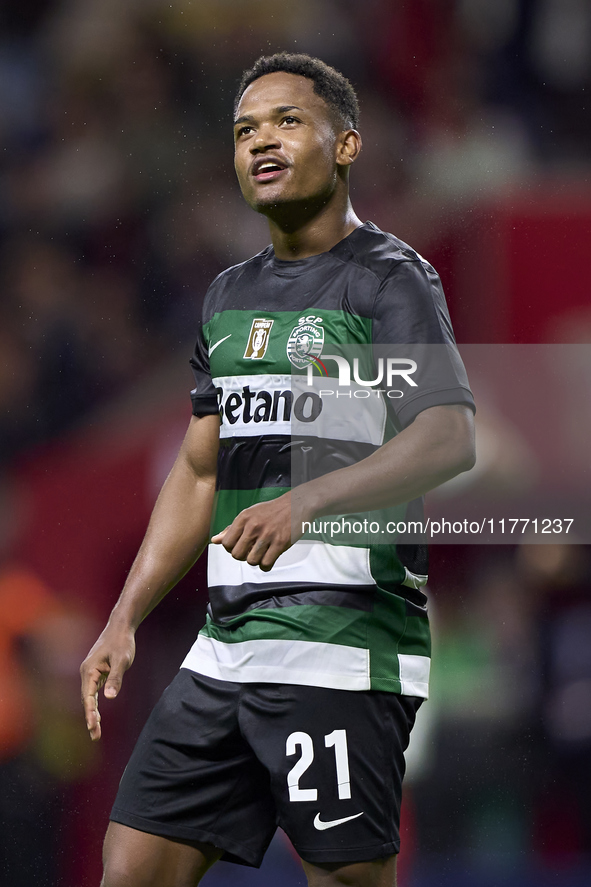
x: 258, y: 339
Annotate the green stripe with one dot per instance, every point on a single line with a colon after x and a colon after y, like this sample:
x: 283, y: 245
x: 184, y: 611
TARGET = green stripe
x: 335, y: 625
x: 417, y: 637
x: 340, y: 327
x: 306, y: 622
x: 384, y: 565
x: 385, y: 645
x: 229, y: 503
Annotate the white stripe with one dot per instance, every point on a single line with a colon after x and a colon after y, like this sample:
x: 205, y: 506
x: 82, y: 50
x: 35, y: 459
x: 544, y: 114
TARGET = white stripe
x: 354, y: 413
x: 414, y: 674
x: 303, y: 562
x: 413, y: 580
x: 256, y: 383
x: 281, y: 662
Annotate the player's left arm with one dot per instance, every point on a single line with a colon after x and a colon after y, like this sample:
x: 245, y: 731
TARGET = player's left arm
x: 436, y: 446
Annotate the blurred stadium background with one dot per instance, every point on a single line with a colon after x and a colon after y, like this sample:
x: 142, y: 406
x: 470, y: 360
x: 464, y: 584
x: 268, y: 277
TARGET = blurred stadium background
x: 118, y: 207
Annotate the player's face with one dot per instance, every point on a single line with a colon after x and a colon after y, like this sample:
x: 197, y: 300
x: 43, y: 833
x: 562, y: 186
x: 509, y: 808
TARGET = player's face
x: 286, y: 143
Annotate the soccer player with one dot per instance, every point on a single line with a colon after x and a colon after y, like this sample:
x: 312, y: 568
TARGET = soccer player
x: 295, y: 704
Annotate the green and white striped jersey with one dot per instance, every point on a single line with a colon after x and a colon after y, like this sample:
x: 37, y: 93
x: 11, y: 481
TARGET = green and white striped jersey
x: 344, y: 611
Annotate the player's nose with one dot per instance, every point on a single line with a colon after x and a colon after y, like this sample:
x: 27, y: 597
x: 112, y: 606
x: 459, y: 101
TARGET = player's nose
x: 266, y: 137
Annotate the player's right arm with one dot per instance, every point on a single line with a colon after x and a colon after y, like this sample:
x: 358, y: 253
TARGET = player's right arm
x: 177, y: 534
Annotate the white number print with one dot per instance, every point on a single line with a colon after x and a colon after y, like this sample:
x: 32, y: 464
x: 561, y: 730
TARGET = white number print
x: 337, y: 740
x: 304, y: 740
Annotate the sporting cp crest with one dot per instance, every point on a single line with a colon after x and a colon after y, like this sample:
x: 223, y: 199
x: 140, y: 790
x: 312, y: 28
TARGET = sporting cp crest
x: 305, y: 342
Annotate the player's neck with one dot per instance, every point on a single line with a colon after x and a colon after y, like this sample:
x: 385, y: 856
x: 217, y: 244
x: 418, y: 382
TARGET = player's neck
x: 300, y: 238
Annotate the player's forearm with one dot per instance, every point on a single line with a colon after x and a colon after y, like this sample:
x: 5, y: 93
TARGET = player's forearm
x: 179, y: 526
x: 437, y: 446
x: 177, y: 534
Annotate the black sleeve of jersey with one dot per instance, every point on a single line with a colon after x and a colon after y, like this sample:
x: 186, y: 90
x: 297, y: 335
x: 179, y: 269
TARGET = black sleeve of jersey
x: 203, y: 396
x: 411, y: 325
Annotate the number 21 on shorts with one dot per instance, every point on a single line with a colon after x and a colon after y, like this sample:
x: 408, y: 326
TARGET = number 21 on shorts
x: 337, y: 740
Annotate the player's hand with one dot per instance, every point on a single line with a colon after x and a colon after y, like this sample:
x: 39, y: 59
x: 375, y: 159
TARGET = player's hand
x: 259, y: 534
x: 105, y: 666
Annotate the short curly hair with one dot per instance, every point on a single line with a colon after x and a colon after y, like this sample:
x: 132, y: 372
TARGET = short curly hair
x: 329, y: 84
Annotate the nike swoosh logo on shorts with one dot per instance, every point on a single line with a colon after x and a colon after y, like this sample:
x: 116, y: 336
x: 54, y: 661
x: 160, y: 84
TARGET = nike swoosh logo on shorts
x: 213, y: 347
x: 331, y: 824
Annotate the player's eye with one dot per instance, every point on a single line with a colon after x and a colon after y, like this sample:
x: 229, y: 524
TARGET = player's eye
x: 290, y: 119
x: 243, y: 131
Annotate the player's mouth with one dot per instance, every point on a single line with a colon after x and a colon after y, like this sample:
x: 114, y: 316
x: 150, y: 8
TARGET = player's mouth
x: 267, y: 169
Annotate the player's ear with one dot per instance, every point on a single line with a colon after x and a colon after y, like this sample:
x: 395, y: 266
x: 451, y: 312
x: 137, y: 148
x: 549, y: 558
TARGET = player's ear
x: 348, y: 147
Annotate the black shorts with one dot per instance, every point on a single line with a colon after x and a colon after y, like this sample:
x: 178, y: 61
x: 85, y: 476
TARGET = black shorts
x: 227, y: 763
